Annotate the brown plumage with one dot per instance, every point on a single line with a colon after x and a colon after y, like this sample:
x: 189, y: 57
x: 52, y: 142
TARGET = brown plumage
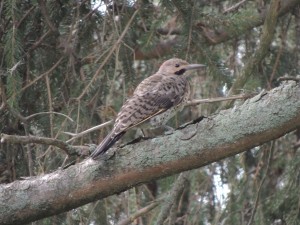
x: 155, y: 100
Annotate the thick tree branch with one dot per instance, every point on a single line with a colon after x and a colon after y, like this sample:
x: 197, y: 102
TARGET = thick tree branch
x: 258, y: 120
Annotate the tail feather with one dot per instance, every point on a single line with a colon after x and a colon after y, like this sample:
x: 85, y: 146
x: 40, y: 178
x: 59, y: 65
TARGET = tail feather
x: 107, y: 142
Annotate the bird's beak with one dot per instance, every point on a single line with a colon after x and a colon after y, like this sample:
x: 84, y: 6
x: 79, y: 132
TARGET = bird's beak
x: 194, y: 66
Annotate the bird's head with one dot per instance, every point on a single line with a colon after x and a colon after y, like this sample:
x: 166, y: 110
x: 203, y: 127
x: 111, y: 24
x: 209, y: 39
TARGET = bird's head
x: 178, y: 67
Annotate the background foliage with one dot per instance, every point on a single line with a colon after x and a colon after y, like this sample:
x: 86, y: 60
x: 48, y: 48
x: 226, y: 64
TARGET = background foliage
x: 82, y: 59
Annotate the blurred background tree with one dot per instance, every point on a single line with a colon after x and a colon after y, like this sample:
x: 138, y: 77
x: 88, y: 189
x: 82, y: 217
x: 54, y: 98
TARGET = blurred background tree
x: 82, y: 59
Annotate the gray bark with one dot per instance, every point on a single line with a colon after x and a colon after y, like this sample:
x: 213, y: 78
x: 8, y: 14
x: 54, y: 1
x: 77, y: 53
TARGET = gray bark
x: 259, y: 120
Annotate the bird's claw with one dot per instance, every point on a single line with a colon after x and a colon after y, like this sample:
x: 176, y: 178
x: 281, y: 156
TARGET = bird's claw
x: 168, y: 130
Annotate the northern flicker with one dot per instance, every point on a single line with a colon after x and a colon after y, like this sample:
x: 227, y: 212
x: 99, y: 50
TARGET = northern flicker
x: 155, y: 100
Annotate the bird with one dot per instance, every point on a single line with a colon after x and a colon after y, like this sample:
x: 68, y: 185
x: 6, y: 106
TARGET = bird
x: 154, y: 101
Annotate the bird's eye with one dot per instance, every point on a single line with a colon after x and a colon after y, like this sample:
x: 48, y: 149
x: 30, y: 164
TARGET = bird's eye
x: 177, y: 65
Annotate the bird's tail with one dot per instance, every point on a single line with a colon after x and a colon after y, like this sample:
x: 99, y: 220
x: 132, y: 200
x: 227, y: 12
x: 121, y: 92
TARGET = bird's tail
x: 107, y: 142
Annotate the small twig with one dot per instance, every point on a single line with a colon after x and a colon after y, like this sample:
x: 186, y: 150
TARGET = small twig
x: 261, y: 184
x: 276, y: 64
x: 3, y: 105
x: 234, y: 7
x: 40, y: 40
x: 30, y: 162
x: 281, y: 48
x: 139, y: 213
x: 47, y: 80
x: 45, y: 14
x: 297, y: 79
x: 25, y: 15
x: 75, y: 136
x: 108, y: 56
x: 11, y: 70
x: 92, y: 11
x: 42, y: 75
x: 70, y: 150
x: 190, y: 33
x: 42, y: 113
x: 219, y: 99
x: 3, y: 96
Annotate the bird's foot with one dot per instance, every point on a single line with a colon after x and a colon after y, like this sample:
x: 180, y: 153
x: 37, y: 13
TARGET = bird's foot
x: 136, y: 140
x: 168, y: 130
x: 199, y: 119
x: 191, y: 122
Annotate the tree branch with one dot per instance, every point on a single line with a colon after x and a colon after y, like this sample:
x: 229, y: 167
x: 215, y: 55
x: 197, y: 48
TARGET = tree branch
x: 234, y: 7
x: 81, y: 134
x: 230, y: 132
x: 43, y: 113
x: 45, y: 14
x: 172, y: 197
x: 112, y: 50
x: 261, y: 184
x: 70, y: 150
x: 297, y: 79
x: 218, y: 99
x: 139, y: 213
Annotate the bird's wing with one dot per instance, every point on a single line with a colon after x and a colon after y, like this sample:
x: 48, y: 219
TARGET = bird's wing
x: 162, y: 89
x: 146, y: 104
x: 136, y: 110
